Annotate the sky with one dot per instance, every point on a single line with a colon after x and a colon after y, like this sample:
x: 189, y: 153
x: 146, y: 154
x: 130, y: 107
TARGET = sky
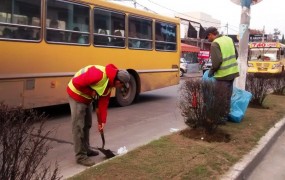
x: 267, y: 14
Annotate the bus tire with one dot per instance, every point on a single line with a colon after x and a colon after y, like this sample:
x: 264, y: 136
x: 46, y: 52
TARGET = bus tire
x: 125, y: 97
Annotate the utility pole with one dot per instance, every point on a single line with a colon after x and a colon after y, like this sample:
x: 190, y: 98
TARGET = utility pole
x: 198, y: 38
x: 243, y: 42
x: 227, y: 26
x: 263, y: 33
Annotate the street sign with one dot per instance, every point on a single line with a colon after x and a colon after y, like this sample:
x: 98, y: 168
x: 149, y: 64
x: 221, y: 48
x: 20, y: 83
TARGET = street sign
x: 257, y: 37
x: 239, y: 2
x: 264, y: 45
x: 204, y: 55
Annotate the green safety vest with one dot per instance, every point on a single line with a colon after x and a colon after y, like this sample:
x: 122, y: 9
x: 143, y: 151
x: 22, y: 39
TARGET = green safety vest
x: 98, y: 87
x: 229, y: 65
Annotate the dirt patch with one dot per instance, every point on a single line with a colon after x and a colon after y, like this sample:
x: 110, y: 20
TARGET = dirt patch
x: 199, y: 134
x: 257, y: 106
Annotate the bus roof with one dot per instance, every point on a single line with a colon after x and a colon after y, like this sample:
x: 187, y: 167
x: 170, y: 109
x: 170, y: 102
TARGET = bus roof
x: 130, y: 10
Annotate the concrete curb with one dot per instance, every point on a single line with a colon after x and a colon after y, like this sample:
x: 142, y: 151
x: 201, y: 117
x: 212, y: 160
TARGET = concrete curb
x: 243, y: 168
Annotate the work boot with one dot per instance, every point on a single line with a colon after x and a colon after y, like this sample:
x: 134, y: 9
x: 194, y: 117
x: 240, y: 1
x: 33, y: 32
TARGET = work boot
x: 86, y: 161
x: 91, y: 152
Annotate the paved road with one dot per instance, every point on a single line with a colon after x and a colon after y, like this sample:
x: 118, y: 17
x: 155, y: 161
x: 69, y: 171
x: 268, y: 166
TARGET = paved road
x: 272, y: 165
x: 132, y: 126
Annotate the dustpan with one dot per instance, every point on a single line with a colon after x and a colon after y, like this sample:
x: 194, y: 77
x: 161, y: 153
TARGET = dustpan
x: 107, y: 152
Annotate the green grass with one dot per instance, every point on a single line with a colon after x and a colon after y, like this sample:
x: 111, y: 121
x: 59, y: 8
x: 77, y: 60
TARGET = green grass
x: 179, y: 157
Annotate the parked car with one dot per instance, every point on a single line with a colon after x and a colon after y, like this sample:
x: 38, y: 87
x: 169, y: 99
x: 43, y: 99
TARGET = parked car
x: 207, y: 65
x: 183, y: 66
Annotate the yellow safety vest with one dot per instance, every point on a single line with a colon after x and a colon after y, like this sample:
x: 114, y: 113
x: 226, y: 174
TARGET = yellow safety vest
x: 98, y: 87
x: 229, y: 65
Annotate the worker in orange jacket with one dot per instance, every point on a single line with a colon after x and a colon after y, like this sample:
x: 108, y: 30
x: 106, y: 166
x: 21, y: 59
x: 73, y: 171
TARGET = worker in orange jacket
x: 91, y: 82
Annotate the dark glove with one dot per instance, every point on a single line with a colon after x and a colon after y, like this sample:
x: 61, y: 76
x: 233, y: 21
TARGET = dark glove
x: 210, y: 74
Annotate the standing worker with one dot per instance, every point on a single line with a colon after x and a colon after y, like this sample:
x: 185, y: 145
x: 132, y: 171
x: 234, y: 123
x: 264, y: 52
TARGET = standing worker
x: 224, y: 66
x: 91, y: 82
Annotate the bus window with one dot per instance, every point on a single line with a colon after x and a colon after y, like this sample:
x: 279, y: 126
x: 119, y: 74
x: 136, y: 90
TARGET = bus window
x: 67, y: 22
x: 119, y: 33
x: 64, y: 39
x: 109, y: 28
x: 165, y: 36
x: 140, y: 33
x: 20, y: 23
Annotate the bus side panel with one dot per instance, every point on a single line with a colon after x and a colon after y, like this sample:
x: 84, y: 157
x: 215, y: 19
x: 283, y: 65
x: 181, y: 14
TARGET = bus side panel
x: 46, y: 92
x: 11, y: 92
x: 151, y: 81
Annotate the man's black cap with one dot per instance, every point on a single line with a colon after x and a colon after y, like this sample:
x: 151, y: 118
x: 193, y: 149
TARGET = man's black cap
x: 210, y: 30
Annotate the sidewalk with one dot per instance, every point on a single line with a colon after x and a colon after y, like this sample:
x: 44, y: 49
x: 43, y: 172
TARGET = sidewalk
x: 272, y: 165
x: 266, y: 160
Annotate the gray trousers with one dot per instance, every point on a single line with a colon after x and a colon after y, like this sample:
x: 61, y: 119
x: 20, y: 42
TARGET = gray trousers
x: 81, y: 116
x: 225, y: 90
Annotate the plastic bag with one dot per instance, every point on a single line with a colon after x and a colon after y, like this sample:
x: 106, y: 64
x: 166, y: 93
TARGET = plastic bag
x: 207, y: 78
x: 173, y: 130
x: 122, y: 150
x: 239, y: 102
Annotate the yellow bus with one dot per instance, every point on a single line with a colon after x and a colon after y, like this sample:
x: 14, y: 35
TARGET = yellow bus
x: 265, y: 57
x: 44, y: 42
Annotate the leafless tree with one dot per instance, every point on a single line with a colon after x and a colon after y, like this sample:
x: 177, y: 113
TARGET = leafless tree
x: 23, y: 145
x: 201, y: 104
x: 259, y: 85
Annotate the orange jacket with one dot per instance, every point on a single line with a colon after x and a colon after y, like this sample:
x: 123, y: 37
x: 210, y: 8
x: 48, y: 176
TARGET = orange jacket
x: 85, y: 80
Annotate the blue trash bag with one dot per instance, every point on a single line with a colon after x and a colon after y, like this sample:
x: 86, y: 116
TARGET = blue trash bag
x: 239, y: 102
x: 206, y: 77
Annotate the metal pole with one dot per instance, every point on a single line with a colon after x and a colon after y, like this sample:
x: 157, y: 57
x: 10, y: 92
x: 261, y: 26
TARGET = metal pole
x: 227, y: 29
x: 263, y: 33
x: 198, y: 31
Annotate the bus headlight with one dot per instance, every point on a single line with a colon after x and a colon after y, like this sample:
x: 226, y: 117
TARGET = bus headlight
x: 250, y: 65
x: 274, y: 66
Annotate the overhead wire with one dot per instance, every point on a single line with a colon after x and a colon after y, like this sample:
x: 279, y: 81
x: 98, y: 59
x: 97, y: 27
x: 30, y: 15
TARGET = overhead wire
x: 186, y: 15
x: 182, y: 13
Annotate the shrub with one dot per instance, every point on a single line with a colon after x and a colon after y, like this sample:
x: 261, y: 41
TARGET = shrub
x: 200, y: 105
x: 23, y: 145
x: 278, y: 83
x: 259, y: 85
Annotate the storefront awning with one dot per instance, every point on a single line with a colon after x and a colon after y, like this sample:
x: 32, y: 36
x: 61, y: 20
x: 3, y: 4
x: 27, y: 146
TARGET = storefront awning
x: 189, y: 48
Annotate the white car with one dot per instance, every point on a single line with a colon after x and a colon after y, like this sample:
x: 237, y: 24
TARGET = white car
x: 183, y: 66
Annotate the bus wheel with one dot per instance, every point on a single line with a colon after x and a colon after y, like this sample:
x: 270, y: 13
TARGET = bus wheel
x: 125, y: 97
